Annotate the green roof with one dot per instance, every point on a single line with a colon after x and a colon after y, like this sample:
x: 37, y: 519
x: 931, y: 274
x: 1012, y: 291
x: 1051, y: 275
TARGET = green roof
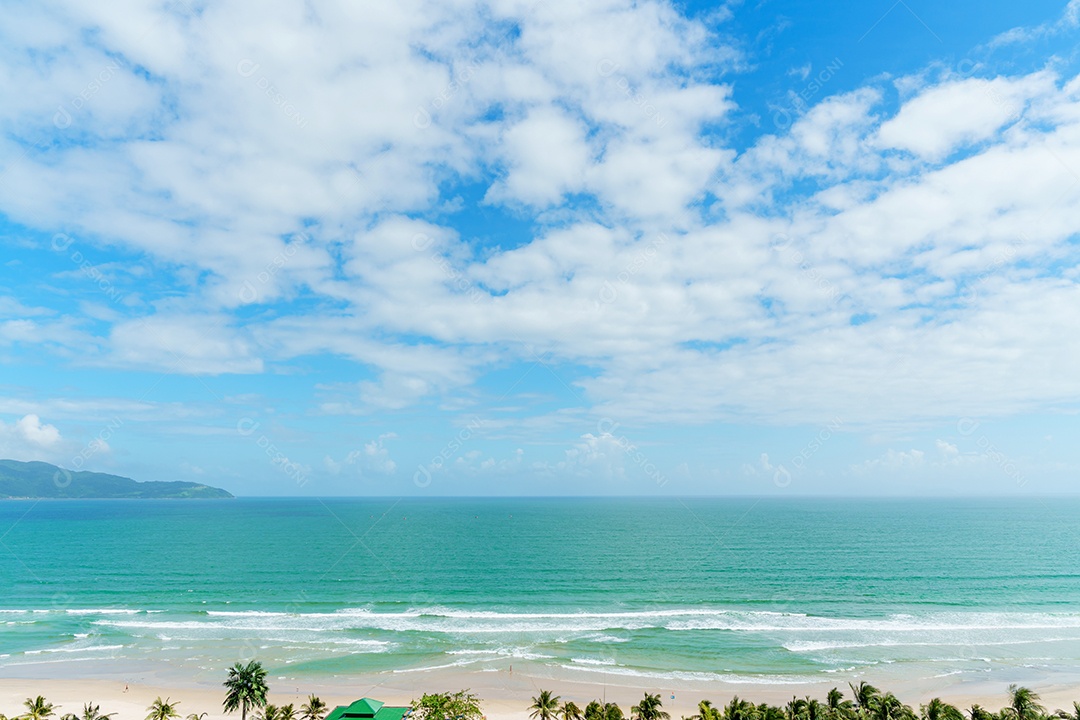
x: 367, y: 709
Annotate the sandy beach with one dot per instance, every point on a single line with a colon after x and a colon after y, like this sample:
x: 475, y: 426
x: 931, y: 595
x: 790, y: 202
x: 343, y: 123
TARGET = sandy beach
x: 505, y: 695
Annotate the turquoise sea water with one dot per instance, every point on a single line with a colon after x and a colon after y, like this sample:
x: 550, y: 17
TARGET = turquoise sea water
x: 717, y: 590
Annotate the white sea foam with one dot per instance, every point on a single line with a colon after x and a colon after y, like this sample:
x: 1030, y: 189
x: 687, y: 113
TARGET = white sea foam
x: 695, y: 676
x: 592, y: 661
x: 455, y: 622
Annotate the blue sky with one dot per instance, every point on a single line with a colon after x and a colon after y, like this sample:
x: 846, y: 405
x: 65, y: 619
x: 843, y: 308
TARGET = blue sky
x: 544, y: 247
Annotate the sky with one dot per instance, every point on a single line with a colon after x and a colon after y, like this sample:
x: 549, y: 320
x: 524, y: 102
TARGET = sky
x: 544, y: 247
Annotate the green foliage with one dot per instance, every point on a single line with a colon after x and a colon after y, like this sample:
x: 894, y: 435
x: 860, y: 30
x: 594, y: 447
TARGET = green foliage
x: 864, y: 695
x: 313, y: 709
x: 163, y: 709
x: 706, y: 711
x: 649, y: 709
x: 245, y: 687
x: 461, y: 705
x: 612, y: 712
x: 937, y: 709
x: 93, y: 712
x: 544, y: 706
x: 1023, y: 704
x: 37, y: 709
x: 270, y: 712
x: 569, y: 711
x: 286, y: 712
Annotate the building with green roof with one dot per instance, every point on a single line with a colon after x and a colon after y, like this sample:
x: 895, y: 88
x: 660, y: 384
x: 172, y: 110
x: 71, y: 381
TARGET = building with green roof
x: 367, y: 709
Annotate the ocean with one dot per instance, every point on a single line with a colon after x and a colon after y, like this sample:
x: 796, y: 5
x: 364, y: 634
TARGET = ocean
x: 715, y: 590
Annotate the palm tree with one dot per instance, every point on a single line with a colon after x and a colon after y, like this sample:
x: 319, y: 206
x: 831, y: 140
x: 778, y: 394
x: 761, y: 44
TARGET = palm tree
x: 196, y: 716
x: 270, y: 712
x: 864, y: 694
x: 163, y: 709
x: 937, y: 709
x: 313, y: 709
x: 978, y: 712
x: 246, y: 686
x: 765, y: 711
x: 649, y: 709
x: 37, y: 709
x: 1066, y: 715
x: 706, y: 711
x: 286, y: 712
x: 738, y: 709
x: 1023, y: 704
x: 889, y: 707
x: 814, y: 710
x: 93, y: 712
x: 568, y: 711
x: 594, y: 711
x: 544, y: 706
x: 612, y: 712
x: 838, y: 706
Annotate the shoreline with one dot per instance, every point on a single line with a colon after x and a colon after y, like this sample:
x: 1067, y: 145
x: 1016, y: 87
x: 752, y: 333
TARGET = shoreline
x: 504, y: 695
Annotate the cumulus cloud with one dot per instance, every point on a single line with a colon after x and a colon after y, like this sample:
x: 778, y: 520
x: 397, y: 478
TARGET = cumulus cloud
x: 372, y: 458
x: 28, y: 438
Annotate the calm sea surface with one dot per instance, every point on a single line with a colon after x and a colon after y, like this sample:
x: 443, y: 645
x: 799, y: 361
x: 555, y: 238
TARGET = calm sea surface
x: 746, y: 590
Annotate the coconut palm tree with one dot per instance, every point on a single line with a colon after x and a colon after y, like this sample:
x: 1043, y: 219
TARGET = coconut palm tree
x: 839, y: 708
x: 612, y: 712
x: 163, y: 709
x: 814, y: 710
x: 706, y: 711
x: 245, y: 687
x: 864, y: 694
x: 738, y: 709
x: 544, y: 706
x: 978, y: 712
x: 93, y: 712
x: 286, y: 712
x: 313, y: 709
x: 1066, y: 715
x: 37, y: 709
x: 196, y: 716
x: 568, y: 711
x: 937, y: 709
x: 765, y: 711
x: 795, y: 709
x: 649, y: 709
x: 1024, y: 704
x: 889, y: 707
x: 270, y: 712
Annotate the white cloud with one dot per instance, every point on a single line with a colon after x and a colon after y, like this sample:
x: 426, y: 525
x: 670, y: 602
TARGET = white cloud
x: 28, y: 438
x: 372, y: 458
x: 951, y: 115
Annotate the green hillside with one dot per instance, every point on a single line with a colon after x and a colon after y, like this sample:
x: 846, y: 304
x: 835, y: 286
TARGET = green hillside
x: 42, y: 480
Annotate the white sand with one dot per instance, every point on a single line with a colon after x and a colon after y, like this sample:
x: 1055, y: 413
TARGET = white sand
x: 505, y: 695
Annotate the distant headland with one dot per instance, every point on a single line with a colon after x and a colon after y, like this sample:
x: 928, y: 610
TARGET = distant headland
x: 34, y: 480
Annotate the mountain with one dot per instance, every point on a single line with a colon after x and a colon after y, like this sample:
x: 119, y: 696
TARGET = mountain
x: 42, y: 480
